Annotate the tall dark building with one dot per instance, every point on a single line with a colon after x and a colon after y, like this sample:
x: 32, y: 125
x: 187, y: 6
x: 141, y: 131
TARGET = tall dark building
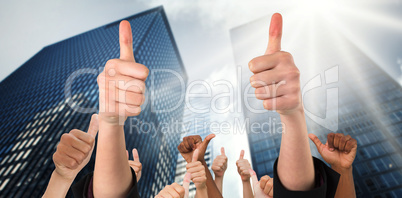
x: 194, y: 123
x: 343, y: 90
x: 56, y: 91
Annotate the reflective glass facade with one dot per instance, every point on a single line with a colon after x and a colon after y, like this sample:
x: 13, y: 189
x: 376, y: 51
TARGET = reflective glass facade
x: 35, y: 109
x: 344, y: 91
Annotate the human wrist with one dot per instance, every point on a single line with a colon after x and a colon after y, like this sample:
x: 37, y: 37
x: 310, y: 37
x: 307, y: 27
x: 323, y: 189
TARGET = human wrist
x: 246, y: 181
x: 294, y: 121
x: 218, y: 178
x: 63, y: 179
x: 112, y: 120
x: 201, y: 191
x: 201, y: 186
x: 58, y: 186
x: 110, y: 123
x: 342, y: 170
x: 295, y: 113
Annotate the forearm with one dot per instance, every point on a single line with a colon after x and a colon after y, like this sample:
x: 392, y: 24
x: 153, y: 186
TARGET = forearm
x: 57, y: 187
x: 201, y: 193
x: 295, y: 164
x: 219, y: 183
x: 346, y: 185
x: 112, y: 175
x: 247, y: 191
x: 213, y: 190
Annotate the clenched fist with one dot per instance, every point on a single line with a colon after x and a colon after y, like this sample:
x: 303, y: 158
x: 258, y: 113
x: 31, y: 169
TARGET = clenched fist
x: 175, y: 190
x: 172, y: 191
x: 197, y: 171
x: 243, y: 167
x: 264, y: 187
x: 276, y: 77
x: 220, y: 164
x: 190, y: 143
x: 74, y: 150
x: 339, y: 150
x: 122, y: 82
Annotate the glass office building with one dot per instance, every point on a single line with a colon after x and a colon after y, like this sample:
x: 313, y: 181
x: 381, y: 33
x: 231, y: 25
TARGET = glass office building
x: 56, y: 91
x: 194, y: 124
x: 343, y: 90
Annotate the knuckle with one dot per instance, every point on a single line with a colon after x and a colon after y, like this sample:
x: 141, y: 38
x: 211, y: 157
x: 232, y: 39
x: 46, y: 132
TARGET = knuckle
x: 344, y: 138
x: 55, y: 157
x: 59, y: 147
x: 293, y: 73
x: 285, y: 56
x: 260, y: 94
x: 75, y: 132
x: 91, y: 139
x: 72, y: 163
x: 62, y: 139
x: 65, y: 138
x: 251, y: 64
x: 146, y: 71
x: 141, y: 99
x: 295, y: 89
x: 294, y: 99
x: 175, y: 185
x: 110, y: 64
x: 254, y: 78
x: 101, y: 78
x: 142, y: 69
x: 142, y: 86
x: 180, y: 189
x: 270, y: 183
x: 267, y: 104
x: 80, y: 156
x: 87, y: 149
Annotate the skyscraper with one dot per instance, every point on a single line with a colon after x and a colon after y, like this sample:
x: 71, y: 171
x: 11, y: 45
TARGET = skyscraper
x: 56, y: 91
x: 194, y: 124
x: 343, y: 90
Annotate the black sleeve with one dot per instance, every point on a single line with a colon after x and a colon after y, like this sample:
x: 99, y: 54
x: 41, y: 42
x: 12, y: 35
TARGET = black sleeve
x: 84, y: 188
x: 326, y: 183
